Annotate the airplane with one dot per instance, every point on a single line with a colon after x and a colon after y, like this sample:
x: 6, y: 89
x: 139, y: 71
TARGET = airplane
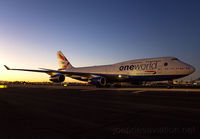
x: 132, y: 71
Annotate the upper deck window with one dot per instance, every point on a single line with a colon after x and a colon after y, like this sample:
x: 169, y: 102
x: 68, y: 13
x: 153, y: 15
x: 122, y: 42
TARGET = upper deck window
x: 174, y: 59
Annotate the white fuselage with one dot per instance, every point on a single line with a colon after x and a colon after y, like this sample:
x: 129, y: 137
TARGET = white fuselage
x: 152, y: 68
x: 134, y: 71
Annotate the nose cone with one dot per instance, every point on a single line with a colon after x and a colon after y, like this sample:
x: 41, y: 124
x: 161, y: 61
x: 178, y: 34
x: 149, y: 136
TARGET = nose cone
x: 192, y: 69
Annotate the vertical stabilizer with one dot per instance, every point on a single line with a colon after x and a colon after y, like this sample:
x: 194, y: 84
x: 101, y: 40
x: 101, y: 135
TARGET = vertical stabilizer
x: 63, y: 62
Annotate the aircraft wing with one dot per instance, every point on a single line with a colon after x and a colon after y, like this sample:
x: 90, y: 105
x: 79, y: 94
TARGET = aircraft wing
x: 67, y: 73
x: 31, y: 70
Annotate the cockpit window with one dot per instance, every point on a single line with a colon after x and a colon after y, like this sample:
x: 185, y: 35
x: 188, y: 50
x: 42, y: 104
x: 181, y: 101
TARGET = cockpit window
x: 174, y: 58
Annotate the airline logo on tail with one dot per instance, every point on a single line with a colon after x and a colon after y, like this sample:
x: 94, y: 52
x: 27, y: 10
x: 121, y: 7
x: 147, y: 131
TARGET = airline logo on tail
x: 62, y: 57
x: 63, y: 62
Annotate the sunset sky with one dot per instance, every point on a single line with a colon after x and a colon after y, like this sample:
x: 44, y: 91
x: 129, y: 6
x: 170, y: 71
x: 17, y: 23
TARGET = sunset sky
x: 95, y: 32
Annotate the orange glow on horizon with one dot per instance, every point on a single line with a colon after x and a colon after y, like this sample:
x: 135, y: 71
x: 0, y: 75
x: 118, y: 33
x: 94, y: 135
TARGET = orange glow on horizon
x: 22, y: 58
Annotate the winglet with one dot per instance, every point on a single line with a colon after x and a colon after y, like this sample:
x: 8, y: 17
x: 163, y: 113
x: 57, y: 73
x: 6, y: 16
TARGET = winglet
x: 7, y: 67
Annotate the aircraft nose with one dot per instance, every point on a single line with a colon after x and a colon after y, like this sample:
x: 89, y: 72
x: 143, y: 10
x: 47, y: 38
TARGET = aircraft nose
x: 192, y: 69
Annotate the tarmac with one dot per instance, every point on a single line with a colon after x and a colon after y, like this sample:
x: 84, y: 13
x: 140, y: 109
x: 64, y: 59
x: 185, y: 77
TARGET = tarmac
x: 38, y: 112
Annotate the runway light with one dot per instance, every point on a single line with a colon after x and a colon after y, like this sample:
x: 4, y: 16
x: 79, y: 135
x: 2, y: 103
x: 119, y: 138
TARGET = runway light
x: 3, y: 86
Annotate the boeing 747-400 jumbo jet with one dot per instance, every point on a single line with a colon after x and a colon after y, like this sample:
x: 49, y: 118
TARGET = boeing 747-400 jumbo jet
x: 133, y: 71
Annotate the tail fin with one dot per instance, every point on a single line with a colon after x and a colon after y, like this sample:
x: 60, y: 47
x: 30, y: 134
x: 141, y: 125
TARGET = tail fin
x: 63, y: 62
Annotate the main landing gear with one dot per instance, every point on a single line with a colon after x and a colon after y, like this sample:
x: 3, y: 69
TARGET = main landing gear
x: 170, y: 84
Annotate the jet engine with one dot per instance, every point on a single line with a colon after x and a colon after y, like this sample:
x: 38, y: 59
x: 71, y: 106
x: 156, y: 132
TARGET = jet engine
x: 98, y: 81
x: 58, y: 78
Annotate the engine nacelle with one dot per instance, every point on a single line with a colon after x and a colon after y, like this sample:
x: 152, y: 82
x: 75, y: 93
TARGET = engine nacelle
x: 58, y: 78
x: 98, y: 81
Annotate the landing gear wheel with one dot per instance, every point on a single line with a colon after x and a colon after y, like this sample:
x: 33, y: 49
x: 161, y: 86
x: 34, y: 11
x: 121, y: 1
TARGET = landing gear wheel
x: 170, y: 84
